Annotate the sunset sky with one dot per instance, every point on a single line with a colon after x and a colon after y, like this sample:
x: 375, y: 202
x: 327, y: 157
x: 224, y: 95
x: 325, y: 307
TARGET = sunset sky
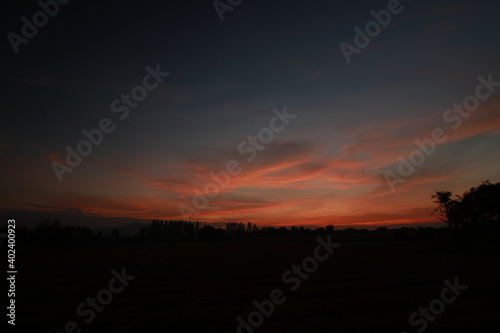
x: 326, y: 166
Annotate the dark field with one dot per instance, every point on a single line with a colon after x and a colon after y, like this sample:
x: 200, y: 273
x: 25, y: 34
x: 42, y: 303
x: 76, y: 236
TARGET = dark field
x: 364, y: 286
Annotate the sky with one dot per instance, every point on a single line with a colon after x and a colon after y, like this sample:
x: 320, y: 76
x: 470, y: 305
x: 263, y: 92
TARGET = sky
x: 280, y: 114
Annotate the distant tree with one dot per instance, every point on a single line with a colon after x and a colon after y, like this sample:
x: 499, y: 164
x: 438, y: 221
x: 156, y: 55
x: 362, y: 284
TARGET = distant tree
x: 209, y: 233
x: 52, y: 233
x: 329, y: 229
x: 115, y: 233
x: 478, y: 205
x: 444, y: 201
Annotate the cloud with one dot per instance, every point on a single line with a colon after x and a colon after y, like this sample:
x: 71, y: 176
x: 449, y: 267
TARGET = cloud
x: 66, y: 210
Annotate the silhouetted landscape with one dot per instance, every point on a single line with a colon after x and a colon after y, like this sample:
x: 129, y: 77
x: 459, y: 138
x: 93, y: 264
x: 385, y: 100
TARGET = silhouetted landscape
x: 191, y: 276
x: 230, y: 166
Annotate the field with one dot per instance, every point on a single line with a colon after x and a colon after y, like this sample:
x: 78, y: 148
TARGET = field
x: 371, y: 285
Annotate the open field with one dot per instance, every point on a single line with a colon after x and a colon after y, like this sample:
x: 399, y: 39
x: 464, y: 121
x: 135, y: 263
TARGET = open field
x: 364, y: 286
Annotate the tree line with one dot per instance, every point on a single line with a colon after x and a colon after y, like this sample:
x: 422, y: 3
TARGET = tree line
x: 475, y: 212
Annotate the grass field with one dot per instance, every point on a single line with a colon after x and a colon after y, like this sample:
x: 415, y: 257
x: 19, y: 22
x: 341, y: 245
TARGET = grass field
x: 364, y: 286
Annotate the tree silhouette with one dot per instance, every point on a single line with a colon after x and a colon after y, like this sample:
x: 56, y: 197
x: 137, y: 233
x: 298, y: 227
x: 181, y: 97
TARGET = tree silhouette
x: 478, y: 206
x: 446, y: 207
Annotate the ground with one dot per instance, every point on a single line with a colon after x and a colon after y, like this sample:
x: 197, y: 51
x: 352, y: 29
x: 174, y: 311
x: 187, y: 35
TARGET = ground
x: 364, y: 286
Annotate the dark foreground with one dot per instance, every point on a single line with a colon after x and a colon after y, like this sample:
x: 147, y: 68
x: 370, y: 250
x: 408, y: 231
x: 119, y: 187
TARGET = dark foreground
x: 364, y: 286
